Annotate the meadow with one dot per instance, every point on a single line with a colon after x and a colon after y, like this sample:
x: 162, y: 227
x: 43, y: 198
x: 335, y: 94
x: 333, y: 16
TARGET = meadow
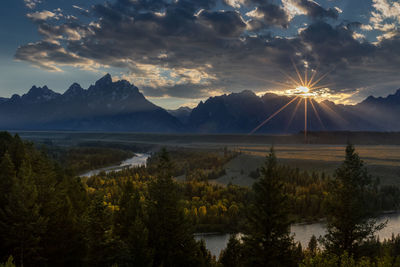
x: 382, y: 161
x: 380, y: 151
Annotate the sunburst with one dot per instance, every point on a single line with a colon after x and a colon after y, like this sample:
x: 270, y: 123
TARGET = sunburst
x: 304, y: 88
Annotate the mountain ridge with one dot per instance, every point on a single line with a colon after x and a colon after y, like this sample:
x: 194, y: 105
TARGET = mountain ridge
x: 104, y: 106
x: 109, y: 105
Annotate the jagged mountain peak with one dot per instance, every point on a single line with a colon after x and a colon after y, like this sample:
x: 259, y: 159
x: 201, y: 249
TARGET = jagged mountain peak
x: 106, y: 80
x: 247, y: 93
x: 74, y: 88
x: 118, y: 89
x: 39, y: 94
x: 104, y: 106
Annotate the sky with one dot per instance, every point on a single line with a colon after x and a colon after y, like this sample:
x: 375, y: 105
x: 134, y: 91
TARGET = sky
x: 178, y: 52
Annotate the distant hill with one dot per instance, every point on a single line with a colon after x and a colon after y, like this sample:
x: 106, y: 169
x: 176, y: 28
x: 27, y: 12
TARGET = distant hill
x: 119, y: 107
x: 243, y: 112
x: 182, y: 113
x: 383, y: 111
x: 104, y: 106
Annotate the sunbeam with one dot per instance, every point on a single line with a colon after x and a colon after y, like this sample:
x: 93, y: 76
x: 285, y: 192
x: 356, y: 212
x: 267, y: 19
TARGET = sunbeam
x: 305, y: 87
x: 317, y: 114
x: 305, y: 119
x: 293, y: 114
x: 273, y: 115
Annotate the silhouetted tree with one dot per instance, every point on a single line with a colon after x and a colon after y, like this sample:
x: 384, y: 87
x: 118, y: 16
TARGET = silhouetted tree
x: 267, y: 239
x: 131, y: 229
x: 313, y: 245
x: 170, y: 231
x: 232, y: 255
x: 21, y: 224
x: 351, y: 206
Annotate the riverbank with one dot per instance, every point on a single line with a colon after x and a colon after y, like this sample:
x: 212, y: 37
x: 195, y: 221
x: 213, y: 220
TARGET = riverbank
x: 216, y: 242
x: 138, y: 160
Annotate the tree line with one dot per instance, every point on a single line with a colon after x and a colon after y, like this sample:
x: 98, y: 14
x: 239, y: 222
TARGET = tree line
x: 139, y: 217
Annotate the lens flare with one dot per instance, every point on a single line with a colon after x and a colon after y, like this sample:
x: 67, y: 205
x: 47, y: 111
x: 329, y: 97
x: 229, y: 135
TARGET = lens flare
x: 304, y: 87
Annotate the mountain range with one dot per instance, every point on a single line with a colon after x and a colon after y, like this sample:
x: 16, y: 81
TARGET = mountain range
x: 120, y: 107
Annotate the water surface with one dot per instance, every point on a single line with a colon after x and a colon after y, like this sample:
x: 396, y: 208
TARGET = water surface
x: 302, y: 233
x: 138, y: 160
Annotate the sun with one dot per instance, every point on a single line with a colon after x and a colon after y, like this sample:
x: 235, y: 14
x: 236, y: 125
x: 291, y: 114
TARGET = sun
x: 303, y: 89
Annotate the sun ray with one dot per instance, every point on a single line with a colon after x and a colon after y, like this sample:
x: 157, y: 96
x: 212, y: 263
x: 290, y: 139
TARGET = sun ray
x: 306, y: 87
x: 291, y: 78
x: 298, y: 73
x: 279, y: 83
x: 272, y: 116
x: 332, y: 113
x: 317, y: 114
x: 293, y: 114
x: 320, y: 78
x: 313, y: 76
x: 321, y: 86
x: 305, y: 119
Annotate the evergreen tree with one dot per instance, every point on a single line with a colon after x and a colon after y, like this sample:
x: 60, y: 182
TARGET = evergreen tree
x: 232, y: 255
x: 350, y: 206
x: 7, y: 175
x: 63, y: 244
x: 21, y: 224
x: 104, y: 248
x: 170, y: 231
x: 267, y: 240
x: 313, y: 245
x: 130, y: 228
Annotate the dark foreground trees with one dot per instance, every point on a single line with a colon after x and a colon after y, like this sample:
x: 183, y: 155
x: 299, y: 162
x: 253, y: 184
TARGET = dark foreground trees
x: 267, y: 240
x: 49, y: 218
x: 170, y: 233
x: 351, y: 207
x: 39, y: 208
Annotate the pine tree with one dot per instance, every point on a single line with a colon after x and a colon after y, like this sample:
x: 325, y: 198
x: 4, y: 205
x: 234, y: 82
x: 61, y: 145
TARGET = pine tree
x: 232, y: 255
x: 130, y: 228
x: 350, y: 206
x: 170, y: 231
x: 104, y: 248
x: 313, y: 245
x: 63, y: 244
x: 7, y: 175
x: 21, y: 224
x: 267, y: 240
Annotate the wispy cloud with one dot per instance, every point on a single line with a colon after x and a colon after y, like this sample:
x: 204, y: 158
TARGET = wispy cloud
x: 32, y: 3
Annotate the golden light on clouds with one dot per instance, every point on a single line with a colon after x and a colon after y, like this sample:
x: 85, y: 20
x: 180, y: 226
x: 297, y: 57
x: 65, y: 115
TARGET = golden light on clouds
x: 305, y: 88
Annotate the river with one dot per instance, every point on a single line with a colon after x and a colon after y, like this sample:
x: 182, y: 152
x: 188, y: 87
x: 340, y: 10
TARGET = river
x: 217, y: 242
x: 138, y: 160
x: 302, y: 233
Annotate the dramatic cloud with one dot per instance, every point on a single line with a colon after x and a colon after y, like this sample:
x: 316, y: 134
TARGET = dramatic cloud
x: 48, y: 55
x: 43, y: 15
x: 310, y: 8
x: 196, y: 48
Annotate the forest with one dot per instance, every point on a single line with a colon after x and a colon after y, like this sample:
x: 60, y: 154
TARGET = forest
x: 145, y: 217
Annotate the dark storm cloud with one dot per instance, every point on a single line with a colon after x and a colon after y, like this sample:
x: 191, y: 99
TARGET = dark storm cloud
x: 228, y: 23
x: 335, y: 44
x: 44, y: 54
x: 270, y: 13
x: 231, y: 53
x: 274, y: 15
